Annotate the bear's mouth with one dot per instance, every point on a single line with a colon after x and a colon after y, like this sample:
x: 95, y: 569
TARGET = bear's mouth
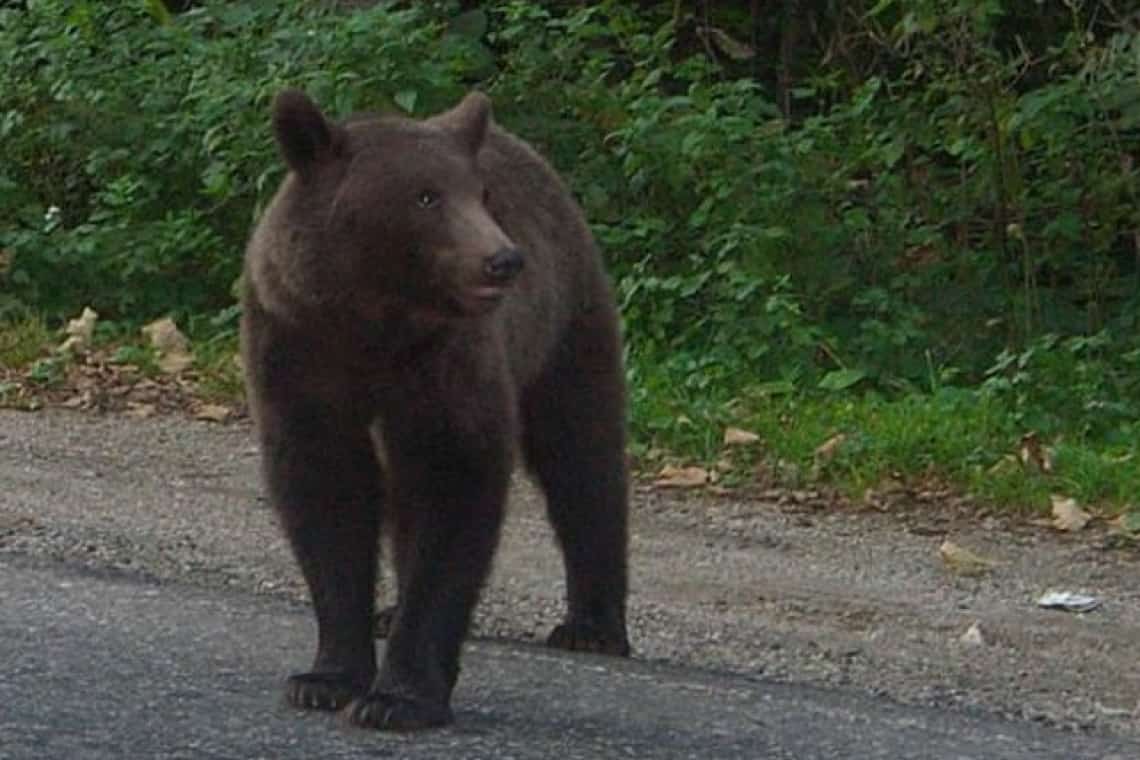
x: 479, y: 300
x: 488, y: 293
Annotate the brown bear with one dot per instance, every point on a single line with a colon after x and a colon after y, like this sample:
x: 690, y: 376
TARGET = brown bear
x: 422, y: 300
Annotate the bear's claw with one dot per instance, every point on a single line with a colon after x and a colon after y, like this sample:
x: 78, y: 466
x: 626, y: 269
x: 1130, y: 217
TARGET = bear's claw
x: 323, y: 691
x: 391, y: 712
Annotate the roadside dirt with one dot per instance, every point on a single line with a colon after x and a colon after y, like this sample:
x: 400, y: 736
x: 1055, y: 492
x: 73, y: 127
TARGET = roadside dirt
x: 806, y: 592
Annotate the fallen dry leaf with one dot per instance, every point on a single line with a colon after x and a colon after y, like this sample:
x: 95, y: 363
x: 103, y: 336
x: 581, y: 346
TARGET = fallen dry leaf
x: 737, y: 437
x: 1067, y: 516
x: 139, y: 409
x: 165, y: 336
x: 963, y: 561
x: 828, y: 448
x: 172, y: 347
x: 77, y: 401
x: 172, y: 363
x: 880, y: 499
x: 79, y: 331
x: 1032, y: 453
x: 973, y: 636
x: 95, y: 379
x: 681, y: 477
x: 213, y: 412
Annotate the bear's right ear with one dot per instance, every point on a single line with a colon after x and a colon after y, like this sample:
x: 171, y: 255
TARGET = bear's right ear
x: 469, y: 120
x: 303, y: 133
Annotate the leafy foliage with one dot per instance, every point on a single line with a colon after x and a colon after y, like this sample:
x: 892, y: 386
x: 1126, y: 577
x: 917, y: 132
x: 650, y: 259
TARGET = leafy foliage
x: 909, y: 227
x: 138, y: 151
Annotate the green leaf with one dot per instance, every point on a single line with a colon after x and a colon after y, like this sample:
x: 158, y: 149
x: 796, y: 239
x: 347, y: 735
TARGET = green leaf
x: 158, y: 10
x: 1129, y: 116
x: 80, y: 17
x: 841, y: 379
x: 406, y: 99
x: 775, y: 388
x: 880, y: 6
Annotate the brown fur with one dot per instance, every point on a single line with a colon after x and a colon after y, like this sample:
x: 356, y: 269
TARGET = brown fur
x: 385, y: 322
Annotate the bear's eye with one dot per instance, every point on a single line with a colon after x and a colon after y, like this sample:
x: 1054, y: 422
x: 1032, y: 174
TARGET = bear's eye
x: 486, y: 196
x: 427, y: 198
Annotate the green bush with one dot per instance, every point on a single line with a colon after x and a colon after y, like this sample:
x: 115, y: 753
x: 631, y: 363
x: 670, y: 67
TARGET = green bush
x: 917, y: 225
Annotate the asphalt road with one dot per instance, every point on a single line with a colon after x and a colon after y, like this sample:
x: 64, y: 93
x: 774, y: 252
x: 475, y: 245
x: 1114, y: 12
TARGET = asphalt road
x: 97, y: 664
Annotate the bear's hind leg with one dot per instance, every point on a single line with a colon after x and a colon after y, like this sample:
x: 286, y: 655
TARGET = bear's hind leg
x: 574, y: 443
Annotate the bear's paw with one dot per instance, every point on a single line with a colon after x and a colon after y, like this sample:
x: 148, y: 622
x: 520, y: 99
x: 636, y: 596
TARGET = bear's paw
x: 323, y: 691
x: 580, y: 636
x: 385, y: 711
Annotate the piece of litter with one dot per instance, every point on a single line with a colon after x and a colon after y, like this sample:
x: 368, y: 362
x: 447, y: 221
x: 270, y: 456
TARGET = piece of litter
x: 1068, y: 601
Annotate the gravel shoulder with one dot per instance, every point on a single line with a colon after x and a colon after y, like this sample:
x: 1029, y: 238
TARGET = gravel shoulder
x: 790, y: 592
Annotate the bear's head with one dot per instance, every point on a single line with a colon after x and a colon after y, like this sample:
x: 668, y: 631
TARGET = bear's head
x: 381, y: 215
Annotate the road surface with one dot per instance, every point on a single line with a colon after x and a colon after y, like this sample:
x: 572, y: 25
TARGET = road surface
x: 148, y: 607
x: 102, y: 665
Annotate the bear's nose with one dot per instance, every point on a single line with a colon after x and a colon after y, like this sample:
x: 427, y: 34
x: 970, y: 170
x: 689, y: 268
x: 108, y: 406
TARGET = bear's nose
x: 503, y: 265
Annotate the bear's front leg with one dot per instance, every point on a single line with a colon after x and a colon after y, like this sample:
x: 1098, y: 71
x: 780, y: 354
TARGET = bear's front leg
x: 450, y: 473
x: 325, y: 483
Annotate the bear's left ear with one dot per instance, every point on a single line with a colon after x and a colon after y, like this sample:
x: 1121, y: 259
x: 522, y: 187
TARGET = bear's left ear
x: 469, y: 120
x: 303, y: 133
